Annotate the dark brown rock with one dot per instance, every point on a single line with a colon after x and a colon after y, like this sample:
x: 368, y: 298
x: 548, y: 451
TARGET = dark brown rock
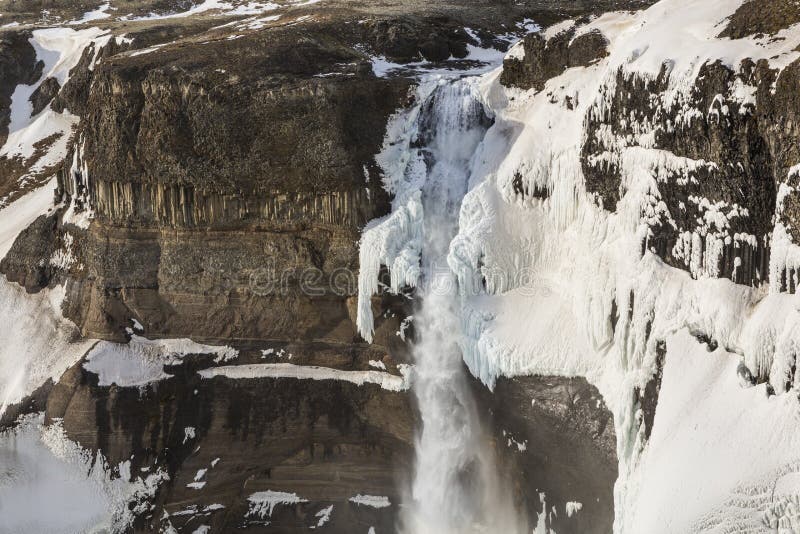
x: 246, y: 116
x: 759, y: 17
x: 587, y: 48
x: 40, y: 240
x: 18, y: 65
x: 555, y: 436
x: 410, y: 39
x: 43, y: 95
x: 545, y: 59
x: 326, y: 441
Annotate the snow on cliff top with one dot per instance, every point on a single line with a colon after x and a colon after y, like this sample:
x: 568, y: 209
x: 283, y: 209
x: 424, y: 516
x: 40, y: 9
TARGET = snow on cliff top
x: 684, y: 35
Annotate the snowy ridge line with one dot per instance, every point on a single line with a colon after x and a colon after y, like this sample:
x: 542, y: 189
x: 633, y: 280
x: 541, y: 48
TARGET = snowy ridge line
x: 383, y: 379
x: 60, y: 49
x: 478, y: 61
x: 222, y: 8
x: 643, y: 43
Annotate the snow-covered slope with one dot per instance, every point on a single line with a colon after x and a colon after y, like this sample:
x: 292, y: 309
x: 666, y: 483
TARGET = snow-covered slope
x: 554, y: 284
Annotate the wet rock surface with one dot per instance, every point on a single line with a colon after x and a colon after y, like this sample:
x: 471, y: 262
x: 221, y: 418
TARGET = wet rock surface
x: 555, y: 439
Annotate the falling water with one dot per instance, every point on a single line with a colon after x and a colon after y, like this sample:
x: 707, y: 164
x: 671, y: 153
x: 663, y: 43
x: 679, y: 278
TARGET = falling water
x: 456, y: 486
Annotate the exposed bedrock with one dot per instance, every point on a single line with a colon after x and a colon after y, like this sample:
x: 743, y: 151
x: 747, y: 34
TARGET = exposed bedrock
x: 39, y: 242
x: 43, y: 95
x: 555, y: 440
x: 228, y: 185
x: 224, y: 440
x: 268, y: 283
x: 752, y: 18
x: 544, y: 59
x: 18, y: 65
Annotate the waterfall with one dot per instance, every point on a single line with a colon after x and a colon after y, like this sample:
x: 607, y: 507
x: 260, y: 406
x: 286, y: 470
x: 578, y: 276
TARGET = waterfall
x: 452, y: 468
x: 428, y: 158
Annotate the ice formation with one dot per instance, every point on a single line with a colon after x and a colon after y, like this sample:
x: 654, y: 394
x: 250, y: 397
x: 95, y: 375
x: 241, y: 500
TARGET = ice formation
x: 429, y: 153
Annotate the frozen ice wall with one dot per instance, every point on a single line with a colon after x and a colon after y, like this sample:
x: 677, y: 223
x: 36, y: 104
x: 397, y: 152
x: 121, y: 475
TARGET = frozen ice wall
x: 428, y: 160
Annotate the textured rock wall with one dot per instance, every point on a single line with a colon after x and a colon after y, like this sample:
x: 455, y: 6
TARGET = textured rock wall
x: 325, y: 441
x: 291, y: 282
x: 228, y: 186
x: 555, y: 438
x: 544, y: 59
x: 725, y: 160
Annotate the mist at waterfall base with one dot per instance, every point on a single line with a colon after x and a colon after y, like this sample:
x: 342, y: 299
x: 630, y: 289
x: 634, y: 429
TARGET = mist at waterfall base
x: 456, y: 486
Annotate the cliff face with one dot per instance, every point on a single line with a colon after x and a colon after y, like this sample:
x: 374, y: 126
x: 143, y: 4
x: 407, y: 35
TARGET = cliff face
x: 217, y: 186
x: 215, y: 189
x: 224, y: 439
x: 646, y: 194
x: 545, y: 473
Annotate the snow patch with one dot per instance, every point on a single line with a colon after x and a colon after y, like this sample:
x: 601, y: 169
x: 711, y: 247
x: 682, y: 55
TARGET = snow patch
x: 141, y: 361
x: 262, y: 503
x: 373, y: 501
x: 50, y: 484
x: 311, y: 372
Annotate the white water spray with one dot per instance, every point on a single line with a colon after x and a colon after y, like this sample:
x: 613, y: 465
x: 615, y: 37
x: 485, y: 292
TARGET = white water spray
x: 428, y: 160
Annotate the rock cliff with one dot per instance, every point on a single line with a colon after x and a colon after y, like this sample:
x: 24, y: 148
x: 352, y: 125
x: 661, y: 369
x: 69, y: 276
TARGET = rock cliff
x: 215, y: 168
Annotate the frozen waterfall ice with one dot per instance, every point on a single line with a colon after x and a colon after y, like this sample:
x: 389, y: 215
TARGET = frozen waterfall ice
x: 428, y: 160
